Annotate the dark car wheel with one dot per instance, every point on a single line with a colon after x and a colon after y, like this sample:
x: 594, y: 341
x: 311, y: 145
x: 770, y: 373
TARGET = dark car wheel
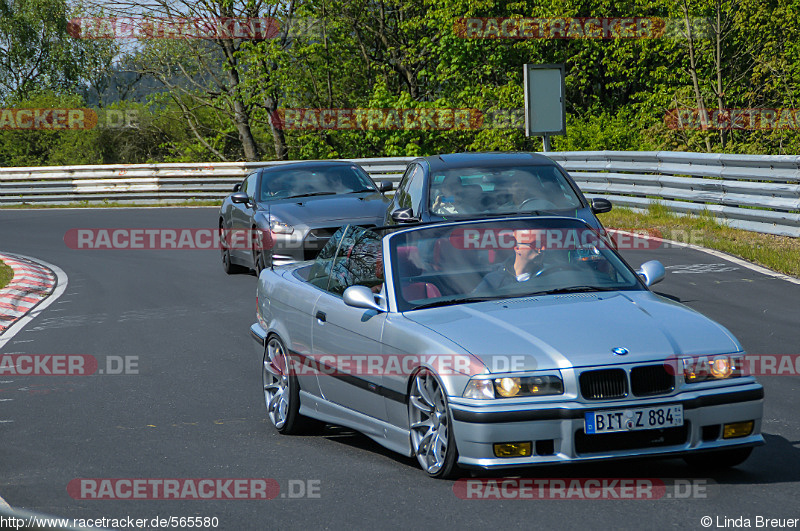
x: 718, y: 459
x: 229, y: 267
x: 431, y: 426
x: 260, y: 257
x: 281, y: 390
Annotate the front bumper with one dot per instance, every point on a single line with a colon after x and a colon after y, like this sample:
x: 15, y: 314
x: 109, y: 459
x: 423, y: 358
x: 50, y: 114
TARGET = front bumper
x: 557, y: 432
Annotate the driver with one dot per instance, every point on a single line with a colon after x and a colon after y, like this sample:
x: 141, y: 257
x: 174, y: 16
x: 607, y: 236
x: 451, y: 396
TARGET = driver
x: 526, y: 264
x: 520, y: 190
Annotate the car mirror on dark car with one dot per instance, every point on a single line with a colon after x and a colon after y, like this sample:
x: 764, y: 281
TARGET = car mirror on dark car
x: 237, y: 187
x: 240, y: 197
x: 385, y: 186
x: 404, y: 215
x: 652, y: 272
x: 600, y: 205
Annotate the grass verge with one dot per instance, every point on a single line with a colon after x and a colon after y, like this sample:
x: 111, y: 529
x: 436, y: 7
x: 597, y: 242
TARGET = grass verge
x: 6, y: 274
x: 779, y: 253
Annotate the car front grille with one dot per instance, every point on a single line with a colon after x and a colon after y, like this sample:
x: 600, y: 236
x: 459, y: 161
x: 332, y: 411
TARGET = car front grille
x: 315, y: 240
x: 610, y: 384
x: 604, y: 384
x: 630, y: 440
x: 651, y: 380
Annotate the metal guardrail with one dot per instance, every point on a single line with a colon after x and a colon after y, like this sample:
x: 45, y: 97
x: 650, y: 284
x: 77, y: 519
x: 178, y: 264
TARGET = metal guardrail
x: 759, y: 193
x: 753, y: 192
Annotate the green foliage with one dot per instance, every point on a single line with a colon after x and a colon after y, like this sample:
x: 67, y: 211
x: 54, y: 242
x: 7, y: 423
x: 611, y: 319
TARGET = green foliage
x: 404, y: 54
x: 6, y: 274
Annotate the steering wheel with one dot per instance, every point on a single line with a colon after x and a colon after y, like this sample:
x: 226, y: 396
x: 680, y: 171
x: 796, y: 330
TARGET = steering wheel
x: 549, y: 269
x: 277, y: 192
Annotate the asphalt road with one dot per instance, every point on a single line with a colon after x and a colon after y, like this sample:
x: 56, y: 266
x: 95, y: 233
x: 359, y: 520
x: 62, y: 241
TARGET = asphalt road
x: 195, y: 408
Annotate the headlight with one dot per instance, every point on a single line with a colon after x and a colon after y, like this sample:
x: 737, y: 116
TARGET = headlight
x: 703, y: 368
x: 279, y: 227
x: 513, y: 386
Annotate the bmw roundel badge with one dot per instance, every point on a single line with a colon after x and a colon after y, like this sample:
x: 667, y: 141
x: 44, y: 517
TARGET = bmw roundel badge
x: 619, y: 351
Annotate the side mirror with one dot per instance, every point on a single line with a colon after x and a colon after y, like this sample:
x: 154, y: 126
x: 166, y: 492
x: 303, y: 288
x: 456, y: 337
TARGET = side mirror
x: 361, y: 297
x: 385, y: 186
x: 404, y: 215
x: 600, y: 205
x: 652, y: 272
x: 239, y: 197
x: 237, y: 187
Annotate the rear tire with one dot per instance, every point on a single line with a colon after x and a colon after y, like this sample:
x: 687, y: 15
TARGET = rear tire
x: 718, y: 459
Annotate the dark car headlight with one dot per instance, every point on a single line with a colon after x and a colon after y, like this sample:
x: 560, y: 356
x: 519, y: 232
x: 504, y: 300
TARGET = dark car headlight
x: 513, y: 386
x: 279, y: 227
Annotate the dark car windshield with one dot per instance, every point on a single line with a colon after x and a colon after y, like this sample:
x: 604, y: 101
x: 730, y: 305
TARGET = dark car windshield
x: 450, y: 264
x: 524, y: 189
x: 307, y: 182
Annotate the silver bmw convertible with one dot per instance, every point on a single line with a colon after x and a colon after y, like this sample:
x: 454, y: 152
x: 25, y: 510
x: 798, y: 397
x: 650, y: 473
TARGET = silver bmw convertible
x: 499, y: 343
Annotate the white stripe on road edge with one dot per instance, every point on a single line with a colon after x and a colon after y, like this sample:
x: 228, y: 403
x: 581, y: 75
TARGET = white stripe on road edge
x: 4, y: 504
x: 61, y: 287
x: 718, y: 254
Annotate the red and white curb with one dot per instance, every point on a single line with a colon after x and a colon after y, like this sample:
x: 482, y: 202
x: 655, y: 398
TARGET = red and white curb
x: 35, y: 285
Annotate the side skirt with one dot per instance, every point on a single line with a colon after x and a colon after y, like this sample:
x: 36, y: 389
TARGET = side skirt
x: 385, y: 434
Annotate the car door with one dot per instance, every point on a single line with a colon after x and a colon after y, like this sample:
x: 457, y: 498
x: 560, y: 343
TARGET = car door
x: 242, y: 216
x: 347, y: 339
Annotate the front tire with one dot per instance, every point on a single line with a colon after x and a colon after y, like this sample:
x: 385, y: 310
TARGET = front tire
x: 227, y: 263
x: 718, y: 459
x: 259, y: 254
x: 431, y: 424
x: 281, y: 389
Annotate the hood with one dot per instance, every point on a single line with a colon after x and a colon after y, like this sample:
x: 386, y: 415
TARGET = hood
x: 577, y: 330
x: 368, y: 206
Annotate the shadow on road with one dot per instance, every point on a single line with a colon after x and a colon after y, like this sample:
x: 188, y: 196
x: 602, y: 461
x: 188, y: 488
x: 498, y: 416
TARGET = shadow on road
x: 776, y: 462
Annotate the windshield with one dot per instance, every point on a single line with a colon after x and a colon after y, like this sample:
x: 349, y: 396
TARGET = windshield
x: 306, y: 182
x: 501, y: 190
x: 439, y: 265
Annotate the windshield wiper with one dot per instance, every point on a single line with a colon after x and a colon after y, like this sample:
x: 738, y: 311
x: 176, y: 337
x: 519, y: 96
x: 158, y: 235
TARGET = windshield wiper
x: 309, y: 194
x: 460, y: 300
x: 362, y: 190
x: 573, y: 289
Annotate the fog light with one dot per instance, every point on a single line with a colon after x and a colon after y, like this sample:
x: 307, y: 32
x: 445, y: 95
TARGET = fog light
x: 737, y: 429
x: 516, y: 449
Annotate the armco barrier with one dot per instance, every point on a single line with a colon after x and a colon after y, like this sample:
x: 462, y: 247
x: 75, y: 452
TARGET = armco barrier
x: 753, y: 192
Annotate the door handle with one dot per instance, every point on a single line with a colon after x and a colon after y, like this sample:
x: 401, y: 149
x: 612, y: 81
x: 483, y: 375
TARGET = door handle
x: 321, y: 316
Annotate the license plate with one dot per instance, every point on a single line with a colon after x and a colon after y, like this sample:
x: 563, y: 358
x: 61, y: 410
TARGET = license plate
x: 643, y: 418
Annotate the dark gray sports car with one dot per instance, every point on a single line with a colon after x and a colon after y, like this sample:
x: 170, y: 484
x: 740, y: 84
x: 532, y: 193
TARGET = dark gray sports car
x: 287, y: 213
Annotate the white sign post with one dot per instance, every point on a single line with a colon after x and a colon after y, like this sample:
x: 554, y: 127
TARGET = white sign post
x: 545, y: 111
